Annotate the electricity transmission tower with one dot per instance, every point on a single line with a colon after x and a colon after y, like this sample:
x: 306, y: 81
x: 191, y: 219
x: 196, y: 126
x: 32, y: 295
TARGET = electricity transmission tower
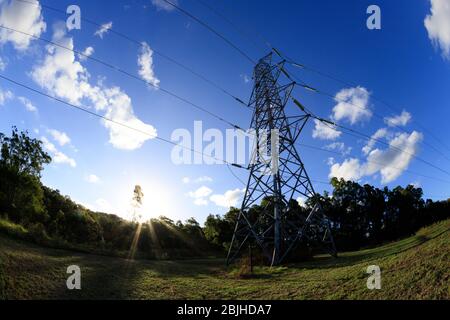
x: 278, y: 180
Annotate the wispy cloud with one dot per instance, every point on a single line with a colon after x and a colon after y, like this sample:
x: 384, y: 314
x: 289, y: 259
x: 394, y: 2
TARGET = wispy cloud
x: 92, y: 178
x: 202, y: 179
x: 390, y: 162
x: 29, y: 106
x: 229, y: 199
x: 200, y: 195
x: 325, y: 131
x: 164, y: 6
x: 61, y: 137
x: 5, y: 95
x: 145, y: 63
x: 87, y: 52
x: 437, y: 24
x: 340, y: 147
x: 66, y: 78
x: 20, y: 16
x: 2, y: 64
x: 57, y: 156
x: 352, y: 105
x: 399, y: 120
x: 104, y: 28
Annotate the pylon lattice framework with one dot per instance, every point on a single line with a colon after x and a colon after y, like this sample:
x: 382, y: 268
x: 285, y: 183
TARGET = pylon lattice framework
x: 278, y: 228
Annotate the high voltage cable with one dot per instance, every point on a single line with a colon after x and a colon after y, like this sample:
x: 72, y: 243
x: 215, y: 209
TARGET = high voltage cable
x: 343, y: 154
x: 80, y: 108
x: 392, y: 108
x: 333, y: 97
x: 306, y: 86
x: 354, y: 132
x: 297, y: 81
x: 266, y: 43
x: 248, y: 37
x: 129, y: 75
x: 207, y: 26
x: 139, y: 44
x: 183, y: 99
x: 146, y: 133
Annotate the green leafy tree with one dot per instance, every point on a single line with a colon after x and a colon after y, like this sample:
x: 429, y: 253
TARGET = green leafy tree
x: 21, y: 161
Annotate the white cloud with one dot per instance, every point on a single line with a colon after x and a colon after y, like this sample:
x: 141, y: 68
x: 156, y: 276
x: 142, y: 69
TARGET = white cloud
x: 61, y: 137
x: 86, y: 53
x: 63, y: 76
x: 352, y: 104
x: 5, y: 95
x: 339, y: 146
x: 186, y: 180
x: 229, y: 199
x: 380, y: 133
x: 399, y: 120
x: 2, y: 64
x: 202, y: 179
x: 60, y: 73
x: 350, y: 169
x: 104, y: 28
x: 200, y: 195
x: 162, y: 5
x: 438, y: 25
x: 390, y: 162
x: 145, y: 63
x: 29, y: 106
x: 23, y: 17
x: 201, y: 192
x: 92, y: 178
x: 120, y: 110
x: 325, y: 131
x: 57, y: 156
x: 246, y: 78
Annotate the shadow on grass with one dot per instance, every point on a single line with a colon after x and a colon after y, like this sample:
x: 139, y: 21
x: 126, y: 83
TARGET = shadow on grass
x: 349, y: 258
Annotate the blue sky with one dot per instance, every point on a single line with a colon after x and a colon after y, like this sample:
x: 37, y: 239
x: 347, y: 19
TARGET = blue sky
x: 406, y: 63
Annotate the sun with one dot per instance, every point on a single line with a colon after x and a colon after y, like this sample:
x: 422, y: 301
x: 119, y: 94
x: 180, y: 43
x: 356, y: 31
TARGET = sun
x: 156, y: 202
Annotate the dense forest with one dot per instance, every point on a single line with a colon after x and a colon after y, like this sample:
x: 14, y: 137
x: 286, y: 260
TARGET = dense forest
x: 360, y: 215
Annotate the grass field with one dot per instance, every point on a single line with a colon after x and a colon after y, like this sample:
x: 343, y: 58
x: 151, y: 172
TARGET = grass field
x: 414, y: 268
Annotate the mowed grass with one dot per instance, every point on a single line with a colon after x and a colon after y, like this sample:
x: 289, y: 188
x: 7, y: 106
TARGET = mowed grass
x: 412, y: 268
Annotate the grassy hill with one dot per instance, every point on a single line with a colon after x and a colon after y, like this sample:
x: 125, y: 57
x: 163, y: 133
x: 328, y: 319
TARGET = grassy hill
x: 414, y: 268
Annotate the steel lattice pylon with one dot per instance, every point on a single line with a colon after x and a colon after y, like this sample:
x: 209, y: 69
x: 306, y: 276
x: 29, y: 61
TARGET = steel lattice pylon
x: 278, y: 228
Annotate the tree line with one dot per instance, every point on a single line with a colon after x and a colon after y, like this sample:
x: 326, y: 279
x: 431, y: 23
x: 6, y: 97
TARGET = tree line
x: 360, y: 215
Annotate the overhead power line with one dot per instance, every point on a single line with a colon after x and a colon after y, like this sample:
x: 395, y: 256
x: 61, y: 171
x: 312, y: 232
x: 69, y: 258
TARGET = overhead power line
x: 354, y: 132
x: 375, y: 97
x: 385, y: 165
x: 299, y: 82
x: 166, y: 91
x: 207, y: 26
x: 294, y: 63
x: 169, y: 92
x: 83, y: 109
x: 139, y: 45
x: 335, y: 98
x: 127, y: 73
